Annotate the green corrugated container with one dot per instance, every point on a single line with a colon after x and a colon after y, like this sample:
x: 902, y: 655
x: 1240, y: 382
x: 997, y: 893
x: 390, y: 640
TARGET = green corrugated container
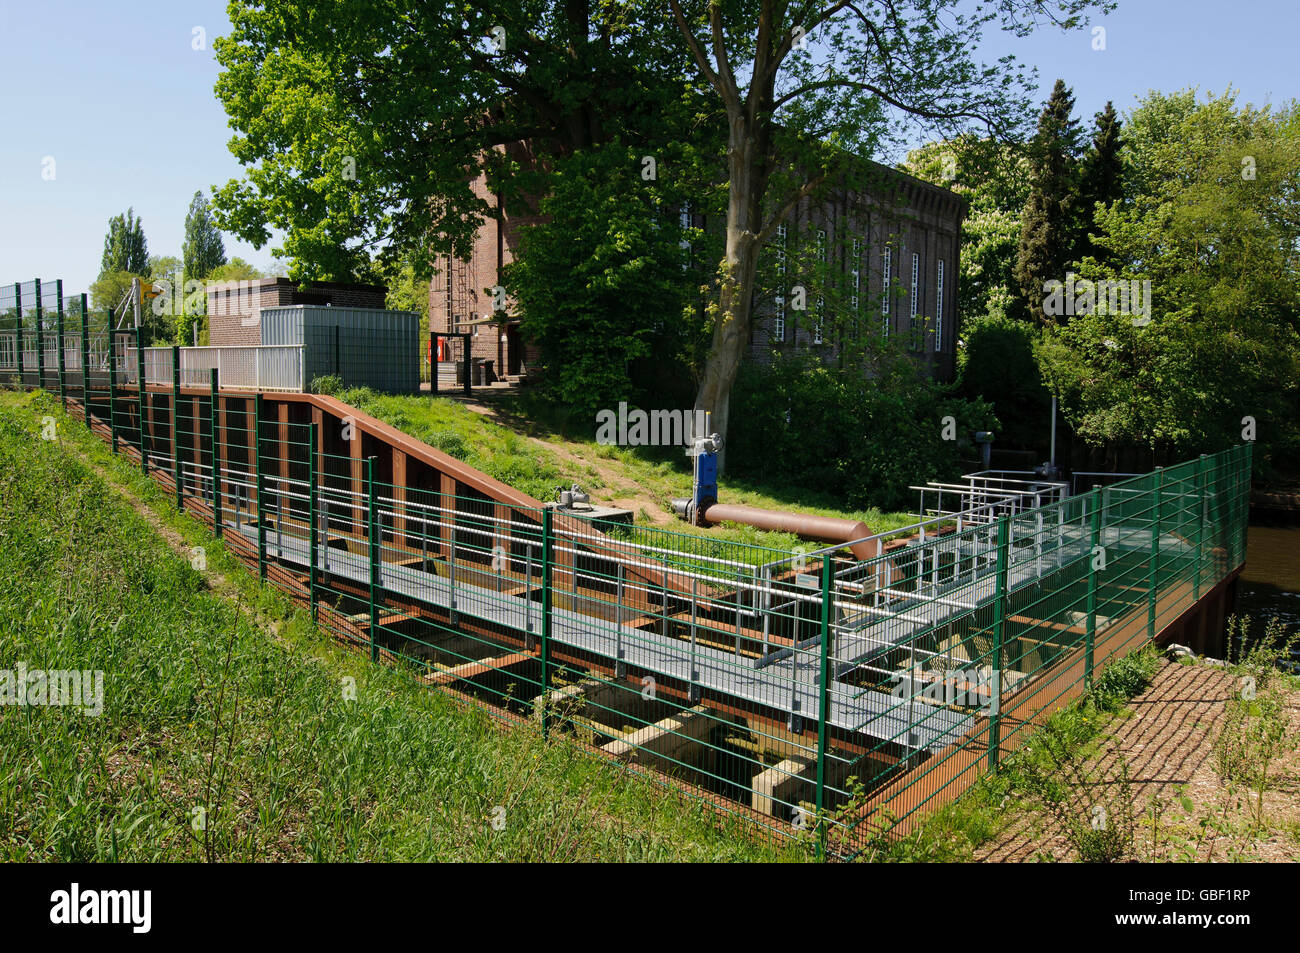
x: 364, y: 346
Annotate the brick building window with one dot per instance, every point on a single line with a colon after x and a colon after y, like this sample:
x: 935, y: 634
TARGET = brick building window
x: 914, y: 303
x: 886, y: 267
x: 778, y: 323
x: 938, y: 308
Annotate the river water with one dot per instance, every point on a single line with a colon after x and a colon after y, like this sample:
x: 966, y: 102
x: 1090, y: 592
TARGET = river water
x: 1270, y: 584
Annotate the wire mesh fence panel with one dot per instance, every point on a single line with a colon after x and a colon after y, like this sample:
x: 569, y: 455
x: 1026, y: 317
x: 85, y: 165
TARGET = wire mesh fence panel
x: 10, y: 331
x: 815, y: 692
x: 49, y: 298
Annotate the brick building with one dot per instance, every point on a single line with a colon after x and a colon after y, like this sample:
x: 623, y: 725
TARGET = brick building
x: 234, y: 307
x: 904, y: 236
x: 460, y: 299
x: 891, y: 253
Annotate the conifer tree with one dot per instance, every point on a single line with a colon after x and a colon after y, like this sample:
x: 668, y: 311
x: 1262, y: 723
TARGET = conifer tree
x: 1048, y: 230
x: 203, y: 249
x: 1100, y: 180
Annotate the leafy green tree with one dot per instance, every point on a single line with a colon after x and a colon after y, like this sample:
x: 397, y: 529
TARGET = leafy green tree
x: 235, y: 270
x: 602, y: 283
x: 108, y: 290
x: 1047, y: 230
x: 182, y: 310
x: 166, y: 268
x: 203, y: 249
x: 1211, y: 219
x: 996, y: 351
x: 364, y: 127
x: 408, y: 292
x: 993, y: 178
x: 807, y: 88
x: 997, y: 362
x: 125, y: 248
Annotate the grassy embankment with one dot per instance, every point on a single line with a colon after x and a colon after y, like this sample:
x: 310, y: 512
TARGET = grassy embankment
x: 230, y: 728
x: 525, y: 453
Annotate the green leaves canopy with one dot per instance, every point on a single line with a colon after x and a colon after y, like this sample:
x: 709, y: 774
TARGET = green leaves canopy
x: 1213, y: 222
x: 363, y: 124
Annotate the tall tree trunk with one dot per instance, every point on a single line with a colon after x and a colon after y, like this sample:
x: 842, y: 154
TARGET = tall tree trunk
x: 746, y: 174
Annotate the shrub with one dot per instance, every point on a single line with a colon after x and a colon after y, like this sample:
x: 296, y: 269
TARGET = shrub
x: 799, y: 423
x: 329, y: 384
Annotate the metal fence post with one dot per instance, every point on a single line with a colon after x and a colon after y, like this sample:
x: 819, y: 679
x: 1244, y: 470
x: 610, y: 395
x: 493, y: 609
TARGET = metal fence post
x: 547, y: 559
x: 1200, y: 526
x: 40, y: 336
x: 85, y: 360
x: 999, y: 635
x: 177, y: 474
x: 257, y: 455
x: 18, y: 309
x: 1155, y: 554
x: 823, y: 707
x: 112, y: 391
x: 311, y: 519
x: 1094, y: 513
x: 372, y: 534
x: 214, y: 457
x: 61, y: 331
x: 140, y: 394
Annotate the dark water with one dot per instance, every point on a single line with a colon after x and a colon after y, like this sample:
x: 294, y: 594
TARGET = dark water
x: 1270, y: 584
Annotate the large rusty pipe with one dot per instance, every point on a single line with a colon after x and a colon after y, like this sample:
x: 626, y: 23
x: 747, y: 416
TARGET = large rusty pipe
x: 829, y: 529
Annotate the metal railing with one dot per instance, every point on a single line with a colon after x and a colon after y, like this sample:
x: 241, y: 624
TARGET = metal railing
x: 807, y: 690
x: 806, y: 687
x: 263, y: 367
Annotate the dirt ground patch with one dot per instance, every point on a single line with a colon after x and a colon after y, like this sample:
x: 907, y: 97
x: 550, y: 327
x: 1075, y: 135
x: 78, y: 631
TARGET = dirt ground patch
x: 617, y: 489
x: 1167, y: 740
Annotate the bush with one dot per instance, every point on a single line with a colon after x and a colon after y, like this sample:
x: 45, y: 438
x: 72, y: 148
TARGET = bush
x: 602, y: 284
x: 997, y: 359
x: 799, y: 423
x: 329, y: 384
x: 450, y: 443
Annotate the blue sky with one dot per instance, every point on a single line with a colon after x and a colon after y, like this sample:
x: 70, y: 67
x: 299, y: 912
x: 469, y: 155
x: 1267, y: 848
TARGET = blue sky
x: 119, y: 98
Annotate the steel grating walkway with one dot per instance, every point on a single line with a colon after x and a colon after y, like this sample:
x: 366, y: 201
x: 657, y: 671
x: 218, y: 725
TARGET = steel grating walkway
x: 789, y: 682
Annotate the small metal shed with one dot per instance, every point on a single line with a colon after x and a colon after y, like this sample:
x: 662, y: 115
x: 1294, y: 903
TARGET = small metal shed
x: 367, y: 347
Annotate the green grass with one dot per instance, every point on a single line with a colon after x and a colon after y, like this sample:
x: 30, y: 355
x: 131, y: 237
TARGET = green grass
x: 207, y: 713
x: 662, y: 473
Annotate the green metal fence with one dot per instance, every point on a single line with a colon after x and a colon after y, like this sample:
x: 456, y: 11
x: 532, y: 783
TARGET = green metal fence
x: 815, y: 693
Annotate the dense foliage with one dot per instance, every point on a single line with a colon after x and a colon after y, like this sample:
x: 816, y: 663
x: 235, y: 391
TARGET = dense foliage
x: 203, y: 250
x: 1193, y: 198
x: 603, y: 283
x: 865, y: 441
x: 1211, y: 219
